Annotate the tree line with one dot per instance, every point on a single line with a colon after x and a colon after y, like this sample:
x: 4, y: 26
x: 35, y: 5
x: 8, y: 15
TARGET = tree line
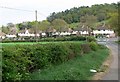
x: 73, y: 15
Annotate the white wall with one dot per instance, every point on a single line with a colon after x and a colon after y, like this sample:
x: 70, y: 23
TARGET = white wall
x: 103, y: 32
x: 11, y: 36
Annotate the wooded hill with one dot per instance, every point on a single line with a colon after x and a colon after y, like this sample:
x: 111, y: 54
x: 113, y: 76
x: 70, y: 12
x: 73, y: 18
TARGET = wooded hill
x: 101, y: 11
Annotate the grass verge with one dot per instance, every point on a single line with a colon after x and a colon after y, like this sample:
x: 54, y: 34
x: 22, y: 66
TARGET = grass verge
x: 75, y: 69
x: 31, y: 43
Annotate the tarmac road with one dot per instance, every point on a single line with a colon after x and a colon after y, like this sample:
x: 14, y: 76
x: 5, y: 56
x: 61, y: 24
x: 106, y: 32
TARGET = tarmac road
x: 113, y: 70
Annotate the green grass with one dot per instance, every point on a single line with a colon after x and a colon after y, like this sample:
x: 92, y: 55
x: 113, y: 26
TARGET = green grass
x: 75, y: 69
x: 30, y: 43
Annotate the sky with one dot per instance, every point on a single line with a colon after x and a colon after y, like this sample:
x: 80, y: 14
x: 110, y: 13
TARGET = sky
x: 44, y: 8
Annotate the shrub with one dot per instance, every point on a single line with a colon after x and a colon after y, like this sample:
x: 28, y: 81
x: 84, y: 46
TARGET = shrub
x: 49, y: 39
x: 85, y: 48
x: 20, y: 60
x: 101, y: 46
x: 94, y: 46
x: 91, y: 38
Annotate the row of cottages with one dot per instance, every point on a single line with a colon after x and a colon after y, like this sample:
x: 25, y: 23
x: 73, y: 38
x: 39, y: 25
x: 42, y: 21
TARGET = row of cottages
x: 82, y: 31
x: 104, y: 31
x: 26, y: 32
x: 77, y: 31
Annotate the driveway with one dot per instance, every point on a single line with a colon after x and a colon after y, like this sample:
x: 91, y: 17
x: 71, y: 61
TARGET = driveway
x: 113, y: 70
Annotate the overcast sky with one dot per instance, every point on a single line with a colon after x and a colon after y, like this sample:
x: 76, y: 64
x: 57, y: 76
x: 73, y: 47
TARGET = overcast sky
x: 44, y: 8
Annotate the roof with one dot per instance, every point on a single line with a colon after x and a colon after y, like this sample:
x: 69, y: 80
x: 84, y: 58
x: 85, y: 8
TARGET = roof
x: 64, y: 29
x: 22, y: 31
x: 13, y: 30
x: 2, y: 33
x: 70, y: 30
x: 82, y: 29
x: 51, y: 30
x: 101, y: 28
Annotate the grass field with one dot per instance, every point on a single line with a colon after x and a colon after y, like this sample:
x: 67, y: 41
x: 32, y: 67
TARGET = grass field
x: 75, y: 69
x: 30, y: 43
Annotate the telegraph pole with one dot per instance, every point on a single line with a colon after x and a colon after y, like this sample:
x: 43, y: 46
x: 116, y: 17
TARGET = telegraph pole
x: 36, y: 25
x: 86, y: 33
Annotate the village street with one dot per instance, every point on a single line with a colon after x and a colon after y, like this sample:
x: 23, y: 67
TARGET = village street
x: 113, y: 70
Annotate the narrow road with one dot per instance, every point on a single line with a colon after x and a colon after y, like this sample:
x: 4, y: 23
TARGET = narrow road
x: 113, y: 70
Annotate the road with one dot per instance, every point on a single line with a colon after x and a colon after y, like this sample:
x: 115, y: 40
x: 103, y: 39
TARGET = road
x: 113, y: 70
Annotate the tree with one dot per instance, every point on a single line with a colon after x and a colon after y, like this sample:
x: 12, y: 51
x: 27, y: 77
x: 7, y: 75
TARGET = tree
x: 44, y: 25
x: 88, y: 20
x: 10, y: 25
x: 101, y: 17
x: 73, y: 15
x: 5, y: 29
x: 59, y: 24
x: 114, y: 22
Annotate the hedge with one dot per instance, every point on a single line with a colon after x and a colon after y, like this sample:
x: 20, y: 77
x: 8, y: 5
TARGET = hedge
x: 21, y: 60
x: 49, y: 39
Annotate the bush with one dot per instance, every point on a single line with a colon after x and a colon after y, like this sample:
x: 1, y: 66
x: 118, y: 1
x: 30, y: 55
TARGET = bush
x: 91, y: 38
x: 94, y: 46
x: 20, y: 60
x: 101, y: 46
x: 85, y: 48
x: 49, y: 39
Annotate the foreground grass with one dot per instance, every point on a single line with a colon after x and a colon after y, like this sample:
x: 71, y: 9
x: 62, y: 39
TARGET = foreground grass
x: 31, y: 43
x: 75, y: 69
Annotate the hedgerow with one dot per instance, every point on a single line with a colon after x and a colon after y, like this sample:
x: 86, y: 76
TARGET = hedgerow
x: 49, y: 39
x: 21, y: 60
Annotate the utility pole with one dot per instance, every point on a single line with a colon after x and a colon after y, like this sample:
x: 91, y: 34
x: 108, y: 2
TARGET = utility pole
x: 87, y: 31
x: 36, y: 25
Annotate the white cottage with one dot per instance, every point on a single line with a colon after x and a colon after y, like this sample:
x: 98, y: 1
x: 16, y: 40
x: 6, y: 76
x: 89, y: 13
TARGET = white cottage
x: 104, y: 31
x: 26, y: 32
x: 2, y: 35
x: 82, y: 30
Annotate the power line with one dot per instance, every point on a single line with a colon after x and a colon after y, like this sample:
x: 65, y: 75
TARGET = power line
x: 21, y: 10
x: 15, y: 9
x: 42, y: 14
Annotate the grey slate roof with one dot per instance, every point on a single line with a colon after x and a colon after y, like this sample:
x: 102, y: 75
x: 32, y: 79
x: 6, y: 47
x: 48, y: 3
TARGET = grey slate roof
x: 101, y: 28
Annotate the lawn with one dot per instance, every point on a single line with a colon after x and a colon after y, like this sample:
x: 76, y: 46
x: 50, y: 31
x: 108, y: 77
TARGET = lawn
x: 75, y: 69
x: 30, y: 43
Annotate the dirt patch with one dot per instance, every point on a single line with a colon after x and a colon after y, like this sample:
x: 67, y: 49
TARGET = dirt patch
x: 104, y: 69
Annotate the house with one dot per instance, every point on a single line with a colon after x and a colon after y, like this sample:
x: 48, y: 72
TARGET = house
x: 103, y: 31
x: 51, y: 32
x: 65, y: 33
x: 11, y: 36
x: 27, y: 33
x: 82, y: 30
x: 12, y: 32
x: 2, y: 35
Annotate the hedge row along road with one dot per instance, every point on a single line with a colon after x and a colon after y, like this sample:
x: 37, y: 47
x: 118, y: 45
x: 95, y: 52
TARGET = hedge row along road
x: 19, y: 61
